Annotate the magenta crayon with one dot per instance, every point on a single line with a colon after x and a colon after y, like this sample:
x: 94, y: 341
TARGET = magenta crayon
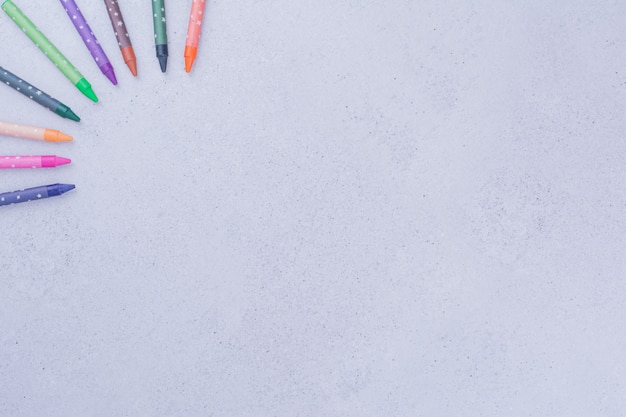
x: 37, y: 161
x: 85, y: 32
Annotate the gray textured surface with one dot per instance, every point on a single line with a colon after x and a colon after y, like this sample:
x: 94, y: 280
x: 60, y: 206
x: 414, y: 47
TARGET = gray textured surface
x: 381, y: 208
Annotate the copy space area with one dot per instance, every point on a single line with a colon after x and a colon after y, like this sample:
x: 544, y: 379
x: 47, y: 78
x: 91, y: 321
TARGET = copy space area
x: 375, y: 208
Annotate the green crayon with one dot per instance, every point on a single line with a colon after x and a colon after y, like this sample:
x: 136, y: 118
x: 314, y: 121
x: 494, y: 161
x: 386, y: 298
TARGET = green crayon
x: 160, y: 32
x: 51, y: 51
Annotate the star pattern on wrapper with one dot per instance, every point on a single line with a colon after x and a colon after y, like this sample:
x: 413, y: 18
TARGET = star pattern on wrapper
x: 117, y: 22
x: 195, y: 21
x: 158, y: 12
x: 85, y: 32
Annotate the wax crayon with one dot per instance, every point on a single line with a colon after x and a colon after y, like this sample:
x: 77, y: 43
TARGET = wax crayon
x: 193, y: 33
x: 35, y: 161
x: 35, y: 94
x: 121, y: 34
x: 35, y: 193
x: 160, y: 32
x: 49, y: 50
x: 31, y: 132
x: 85, y: 32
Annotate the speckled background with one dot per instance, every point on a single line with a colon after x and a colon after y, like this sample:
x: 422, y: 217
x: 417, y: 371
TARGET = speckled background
x: 356, y: 208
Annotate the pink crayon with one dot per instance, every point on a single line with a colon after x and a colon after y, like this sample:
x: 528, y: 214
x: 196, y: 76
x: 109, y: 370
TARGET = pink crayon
x: 39, y: 161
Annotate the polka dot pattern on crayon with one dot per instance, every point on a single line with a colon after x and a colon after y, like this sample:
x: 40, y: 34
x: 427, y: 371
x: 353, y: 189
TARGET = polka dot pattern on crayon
x: 20, y: 162
x: 28, y: 90
x: 22, y: 196
x: 78, y: 20
x: 195, y: 23
x: 115, y: 14
x: 42, y: 42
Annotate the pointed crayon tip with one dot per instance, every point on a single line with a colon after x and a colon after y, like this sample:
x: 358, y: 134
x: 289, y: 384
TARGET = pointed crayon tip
x: 62, y: 161
x: 53, y: 161
x: 52, y: 135
x: 63, y: 188
x: 129, y: 58
x: 188, y: 63
x: 85, y: 88
x: 132, y: 65
x: 190, y: 57
x: 62, y: 137
x: 91, y: 95
x: 71, y: 115
x: 111, y: 76
x: 163, y: 63
x: 161, y: 54
x: 66, y: 112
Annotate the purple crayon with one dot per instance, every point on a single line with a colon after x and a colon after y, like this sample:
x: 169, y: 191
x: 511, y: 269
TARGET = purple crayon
x: 77, y: 18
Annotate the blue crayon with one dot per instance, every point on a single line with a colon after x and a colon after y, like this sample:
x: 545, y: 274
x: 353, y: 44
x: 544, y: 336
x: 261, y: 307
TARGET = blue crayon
x: 35, y: 193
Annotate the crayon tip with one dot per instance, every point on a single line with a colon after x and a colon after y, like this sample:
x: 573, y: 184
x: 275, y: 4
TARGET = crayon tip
x: 91, y: 95
x: 51, y: 135
x: 62, y: 161
x: 129, y: 58
x: 72, y: 116
x: 58, y: 189
x: 111, y: 76
x: 62, y: 137
x: 63, y: 188
x: 132, y: 65
x: 163, y: 63
x: 66, y: 112
x: 107, y: 69
x: 85, y: 88
x: 52, y: 161
x: 190, y: 57
x: 161, y: 53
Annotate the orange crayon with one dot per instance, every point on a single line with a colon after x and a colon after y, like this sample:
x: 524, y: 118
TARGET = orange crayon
x: 31, y: 132
x: 193, y: 33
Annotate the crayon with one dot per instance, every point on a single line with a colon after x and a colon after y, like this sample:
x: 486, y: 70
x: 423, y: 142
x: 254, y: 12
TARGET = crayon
x: 121, y: 34
x: 36, y: 161
x: 160, y: 32
x: 193, y: 33
x: 49, y: 50
x: 35, y: 94
x: 85, y: 32
x: 35, y: 193
x: 31, y: 132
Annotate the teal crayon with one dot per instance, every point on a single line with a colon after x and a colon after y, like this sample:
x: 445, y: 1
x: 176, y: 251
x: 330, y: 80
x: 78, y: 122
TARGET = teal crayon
x: 36, y: 95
